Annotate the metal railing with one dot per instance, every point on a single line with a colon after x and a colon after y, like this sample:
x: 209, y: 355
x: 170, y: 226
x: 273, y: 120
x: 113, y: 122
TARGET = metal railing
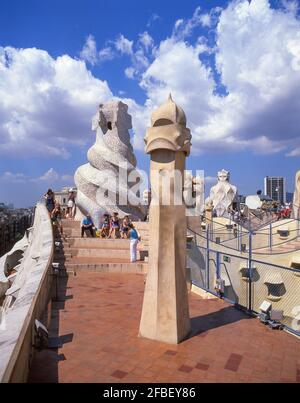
x: 247, y: 282
x: 264, y: 240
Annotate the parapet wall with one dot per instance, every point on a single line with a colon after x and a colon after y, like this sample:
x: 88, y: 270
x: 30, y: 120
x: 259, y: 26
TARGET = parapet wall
x: 26, y: 297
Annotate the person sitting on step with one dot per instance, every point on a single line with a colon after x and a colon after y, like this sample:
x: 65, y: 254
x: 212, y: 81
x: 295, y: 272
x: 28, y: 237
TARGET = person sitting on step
x: 87, y: 225
x: 104, y: 233
x: 56, y: 217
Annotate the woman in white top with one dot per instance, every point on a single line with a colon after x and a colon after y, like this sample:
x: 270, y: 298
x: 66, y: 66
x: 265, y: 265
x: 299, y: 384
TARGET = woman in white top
x: 71, y: 204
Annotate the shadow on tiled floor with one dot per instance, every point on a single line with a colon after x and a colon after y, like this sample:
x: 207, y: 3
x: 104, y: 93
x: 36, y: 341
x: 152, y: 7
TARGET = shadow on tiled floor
x: 212, y: 320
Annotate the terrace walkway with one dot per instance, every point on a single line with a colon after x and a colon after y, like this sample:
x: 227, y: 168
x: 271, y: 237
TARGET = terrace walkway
x: 98, y: 320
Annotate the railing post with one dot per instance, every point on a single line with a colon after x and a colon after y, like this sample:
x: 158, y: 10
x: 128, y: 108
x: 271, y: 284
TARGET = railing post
x: 298, y: 221
x: 270, y: 237
x: 218, y: 264
x: 207, y: 256
x: 250, y: 271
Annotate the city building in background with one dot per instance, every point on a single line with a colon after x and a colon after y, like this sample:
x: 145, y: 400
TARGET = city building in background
x: 61, y: 196
x: 13, y: 224
x: 274, y: 186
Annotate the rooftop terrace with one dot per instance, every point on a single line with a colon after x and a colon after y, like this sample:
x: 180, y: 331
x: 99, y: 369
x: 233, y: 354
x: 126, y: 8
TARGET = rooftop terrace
x: 97, y: 323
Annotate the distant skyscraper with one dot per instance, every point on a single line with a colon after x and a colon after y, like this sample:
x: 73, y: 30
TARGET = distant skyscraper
x: 274, y: 186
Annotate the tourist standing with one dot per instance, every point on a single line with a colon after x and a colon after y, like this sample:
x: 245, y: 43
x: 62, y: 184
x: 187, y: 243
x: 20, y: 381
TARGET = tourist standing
x: 134, y: 239
x: 71, y: 203
x: 49, y: 199
x: 114, y: 226
x: 125, y: 227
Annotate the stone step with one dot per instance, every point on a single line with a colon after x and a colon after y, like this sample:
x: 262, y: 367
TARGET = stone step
x: 100, y: 252
x: 105, y: 265
x: 71, y: 223
x: 98, y: 243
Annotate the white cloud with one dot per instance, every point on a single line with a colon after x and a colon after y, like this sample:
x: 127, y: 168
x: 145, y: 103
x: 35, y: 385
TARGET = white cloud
x: 256, y: 65
x: 257, y: 58
x: 146, y: 40
x: 13, y: 177
x: 124, y: 45
x: 91, y: 55
x: 50, y: 176
x: 177, y: 69
x: 184, y: 28
x: 291, y: 5
x: 45, y: 103
x: 294, y: 153
x: 89, y: 51
x: 129, y: 72
x: 106, y: 53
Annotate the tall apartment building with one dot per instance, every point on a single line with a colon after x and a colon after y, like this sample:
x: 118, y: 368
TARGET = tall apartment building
x: 274, y: 186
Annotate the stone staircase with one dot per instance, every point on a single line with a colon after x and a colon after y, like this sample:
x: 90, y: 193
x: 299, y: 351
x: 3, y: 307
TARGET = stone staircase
x: 112, y: 255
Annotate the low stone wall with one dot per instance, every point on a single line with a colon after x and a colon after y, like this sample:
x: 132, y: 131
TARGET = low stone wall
x: 26, y: 300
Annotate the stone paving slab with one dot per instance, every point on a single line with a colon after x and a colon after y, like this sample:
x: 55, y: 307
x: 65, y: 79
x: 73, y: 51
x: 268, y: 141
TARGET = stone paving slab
x: 98, y: 320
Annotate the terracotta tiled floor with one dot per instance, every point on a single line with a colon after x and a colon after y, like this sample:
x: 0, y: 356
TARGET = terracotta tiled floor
x: 98, y: 325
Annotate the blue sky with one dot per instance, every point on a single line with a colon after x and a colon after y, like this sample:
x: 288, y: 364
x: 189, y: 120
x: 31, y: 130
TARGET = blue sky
x: 233, y: 66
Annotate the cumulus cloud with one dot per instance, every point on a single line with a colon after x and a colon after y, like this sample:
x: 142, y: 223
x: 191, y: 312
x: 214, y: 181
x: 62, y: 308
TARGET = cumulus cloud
x: 184, y: 28
x: 257, y: 58
x: 45, y: 103
x: 129, y: 72
x: 49, y: 177
x: 146, y: 40
x: 256, y: 65
x: 10, y: 177
x: 140, y: 54
x: 124, y: 45
x: 90, y: 54
x: 89, y: 51
x: 106, y: 53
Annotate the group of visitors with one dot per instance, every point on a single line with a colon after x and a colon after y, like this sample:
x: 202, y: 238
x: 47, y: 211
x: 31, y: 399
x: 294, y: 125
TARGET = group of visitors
x: 112, y: 227
x: 284, y: 212
x: 56, y: 212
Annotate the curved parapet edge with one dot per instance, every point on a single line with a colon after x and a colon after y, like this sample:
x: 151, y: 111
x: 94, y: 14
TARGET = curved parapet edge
x: 26, y: 300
